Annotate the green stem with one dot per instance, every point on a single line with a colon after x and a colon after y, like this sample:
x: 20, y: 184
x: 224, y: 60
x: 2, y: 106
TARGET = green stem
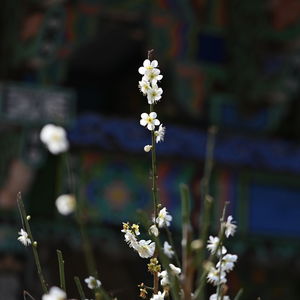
x: 154, y: 170
x: 87, y: 248
x: 86, y: 245
x: 186, y: 242
x: 207, y: 199
x: 154, y: 194
x: 33, y: 243
x: 238, y: 295
x: 79, y: 288
x: 61, y: 270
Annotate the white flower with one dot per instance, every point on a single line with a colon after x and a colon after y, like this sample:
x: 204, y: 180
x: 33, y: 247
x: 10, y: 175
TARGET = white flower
x: 175, y: 270
x: 164, y: 278
x: 65, y: 204
x: 149, y: 120
x: 154, y: 94
x: 92, y: 282
x: 164, y: 218
x: 144, y: 86
x: 55, y: 293
x: 148, y: 65
x: 159, y: 296
x: 147, y: 148
x: 23, y: 238
x: 168, y: 249
x: 154, y: 230
x: 230, y: 228
x: 214, y: 297
x: 131, y: 240
x: 164, y: 275
x: 152, y: 75
x: 227, y: 262
x: 55, y: 138
x: 212, y: 245
x: 160, y: 133
x: 215, y: 277
x: 146, y: 248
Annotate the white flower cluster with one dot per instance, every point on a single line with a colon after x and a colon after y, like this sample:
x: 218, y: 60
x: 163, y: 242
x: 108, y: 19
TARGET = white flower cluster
x: 144, y: 248
x: 217, y: 274
x: 148, y: 86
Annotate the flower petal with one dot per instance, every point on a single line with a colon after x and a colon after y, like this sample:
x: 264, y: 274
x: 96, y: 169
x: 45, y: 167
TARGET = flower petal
x: 153, y: 115
x: 144, y: 116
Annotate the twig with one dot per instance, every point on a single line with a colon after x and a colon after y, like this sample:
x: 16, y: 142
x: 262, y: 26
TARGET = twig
x: 33, y: 242
x: 239, y: 294
x: 26, y: 294
x: 79, y: 288
x: 61, y: 266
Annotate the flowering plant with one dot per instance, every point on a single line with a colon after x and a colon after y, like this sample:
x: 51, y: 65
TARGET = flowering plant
x: 180, y: 277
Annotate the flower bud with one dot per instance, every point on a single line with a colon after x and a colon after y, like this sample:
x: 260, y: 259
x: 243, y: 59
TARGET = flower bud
x: 147, y: 148
x: 154, y: 230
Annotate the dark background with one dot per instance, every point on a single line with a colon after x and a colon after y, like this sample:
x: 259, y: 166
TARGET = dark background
x: 233, y: 64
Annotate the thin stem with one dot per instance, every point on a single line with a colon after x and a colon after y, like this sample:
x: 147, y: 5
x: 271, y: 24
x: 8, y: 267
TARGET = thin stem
x: 61, y: 266
x: 208, y: 200
x: 79, y: 288
x: 186, y: 241
x: 154, y: 170
x: 87, y: 248
x: 33, y: 243
x: 220, y: 272
x: 239, y: 294
x: 26, y: 294
x: 86, y: 245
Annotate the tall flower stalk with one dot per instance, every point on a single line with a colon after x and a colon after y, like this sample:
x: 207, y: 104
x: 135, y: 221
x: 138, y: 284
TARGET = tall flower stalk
x: 151, y: 75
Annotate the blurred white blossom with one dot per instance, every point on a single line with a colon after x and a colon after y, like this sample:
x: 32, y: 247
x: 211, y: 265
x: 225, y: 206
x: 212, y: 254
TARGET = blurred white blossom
x: 160, y: 133
x: 175, y: 270
x: 147, y: 148
x: 55, y: 138
x: 215, y: 297
x: 154, y: 230
x: 65, y: 204
x: 158, y: 296
x: 168, y: 249
x: 230, y: 228
x: 55, y: 293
